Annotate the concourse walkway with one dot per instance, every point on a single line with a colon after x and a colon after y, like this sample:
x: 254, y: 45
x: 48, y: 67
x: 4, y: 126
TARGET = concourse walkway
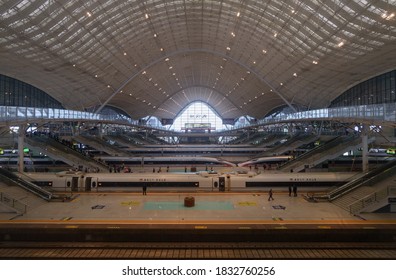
x: 218, y: 225
x: 158, y: 208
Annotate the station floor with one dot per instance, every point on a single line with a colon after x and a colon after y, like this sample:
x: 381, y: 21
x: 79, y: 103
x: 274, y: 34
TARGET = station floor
x: 158, y: 208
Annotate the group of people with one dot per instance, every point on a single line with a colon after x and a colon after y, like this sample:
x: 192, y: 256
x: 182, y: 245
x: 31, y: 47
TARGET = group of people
x: 291, y: 190
x: 160, y: 169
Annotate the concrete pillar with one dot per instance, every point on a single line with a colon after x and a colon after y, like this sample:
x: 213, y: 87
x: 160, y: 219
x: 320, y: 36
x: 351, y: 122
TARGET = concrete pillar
x: 100, y: 133
x: 21, y: 144
x: 365, y: 164
x: 73, y: 129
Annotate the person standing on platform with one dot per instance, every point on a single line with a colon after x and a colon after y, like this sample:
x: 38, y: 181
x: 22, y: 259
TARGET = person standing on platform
x: 144, y: 190
x: 270, y: 193
x: 295, y: 190
x: 290, y: 190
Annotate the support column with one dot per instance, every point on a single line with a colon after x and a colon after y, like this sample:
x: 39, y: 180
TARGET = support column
x: 73, y: 129
x: 100, y: 133
x: 365, y: 164
x: 21, y: 144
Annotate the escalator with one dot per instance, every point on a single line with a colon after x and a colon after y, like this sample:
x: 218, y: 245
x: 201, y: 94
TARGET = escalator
x: 330, y: 150
x: 58, y: 151
x: 10, y: 177
x: 368, y: 178
x: 291, y: 144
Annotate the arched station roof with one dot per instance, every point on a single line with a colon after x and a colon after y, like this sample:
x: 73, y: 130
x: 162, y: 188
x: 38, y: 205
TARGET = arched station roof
x: 154, y: 57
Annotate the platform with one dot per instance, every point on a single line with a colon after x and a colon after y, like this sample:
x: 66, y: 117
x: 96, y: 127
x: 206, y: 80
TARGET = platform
x: 160, y: 216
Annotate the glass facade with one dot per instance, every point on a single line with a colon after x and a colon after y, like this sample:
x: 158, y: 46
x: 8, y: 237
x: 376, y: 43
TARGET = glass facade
x: 198, y: 115
x: 377, y: 90
x: 17, y: 93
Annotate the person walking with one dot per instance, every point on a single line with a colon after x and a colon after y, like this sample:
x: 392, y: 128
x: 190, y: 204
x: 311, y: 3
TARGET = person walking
x: 144, y: 190
x: 290, y: 190
x: 270, y: 193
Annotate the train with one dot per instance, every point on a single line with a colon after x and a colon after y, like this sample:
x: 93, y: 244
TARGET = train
x: 210, y: 150
x: 165, y: 161
x: 266, y: 160
x: 231, y: 181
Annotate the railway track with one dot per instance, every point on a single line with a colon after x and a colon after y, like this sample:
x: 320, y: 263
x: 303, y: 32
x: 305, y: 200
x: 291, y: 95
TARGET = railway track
x: 197, y: 250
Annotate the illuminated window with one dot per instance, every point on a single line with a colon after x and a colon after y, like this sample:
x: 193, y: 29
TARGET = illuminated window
x: 197, y: 114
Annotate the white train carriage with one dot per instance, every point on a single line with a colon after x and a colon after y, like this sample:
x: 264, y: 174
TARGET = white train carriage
x: 69, y: 181
x: 166, y: 161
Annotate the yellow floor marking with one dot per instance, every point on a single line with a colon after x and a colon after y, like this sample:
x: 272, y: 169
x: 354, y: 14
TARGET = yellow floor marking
x: 201, y: 227
x: 229, y: 222
x: 71, y: 226
x: 247, y: 203
x: 130, y: 203
x: 324, y: 227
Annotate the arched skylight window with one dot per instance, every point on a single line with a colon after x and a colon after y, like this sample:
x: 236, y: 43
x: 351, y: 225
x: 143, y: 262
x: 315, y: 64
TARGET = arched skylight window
x: 200, y: 115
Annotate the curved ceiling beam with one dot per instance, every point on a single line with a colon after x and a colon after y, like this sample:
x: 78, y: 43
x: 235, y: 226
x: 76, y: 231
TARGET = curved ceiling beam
x: 198, y: 86
x: 178, y: 52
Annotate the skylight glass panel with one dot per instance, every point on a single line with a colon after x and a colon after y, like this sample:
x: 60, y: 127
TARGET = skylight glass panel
x: 73, y: 35
x: 375, y: 10
x: 19, y: 22
x: 40, y: 9
x: 38, y: 36
x: 349, y: 10
x: 366, y: 20
x: 23, y: 4
x: 31, y: 29
x: 363, y: 3
x: 347, y: 33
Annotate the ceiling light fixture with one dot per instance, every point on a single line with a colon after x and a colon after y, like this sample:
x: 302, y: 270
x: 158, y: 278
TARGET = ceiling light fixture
x: 386, y: 16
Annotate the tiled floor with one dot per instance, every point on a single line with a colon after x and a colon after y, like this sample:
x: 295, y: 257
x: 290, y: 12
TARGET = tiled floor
x: 159, y: 207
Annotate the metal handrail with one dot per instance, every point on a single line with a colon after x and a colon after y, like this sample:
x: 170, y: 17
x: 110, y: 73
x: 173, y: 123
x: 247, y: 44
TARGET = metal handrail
x: 20, y: 207
x: 370, y: 199
x: 26, y: 184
